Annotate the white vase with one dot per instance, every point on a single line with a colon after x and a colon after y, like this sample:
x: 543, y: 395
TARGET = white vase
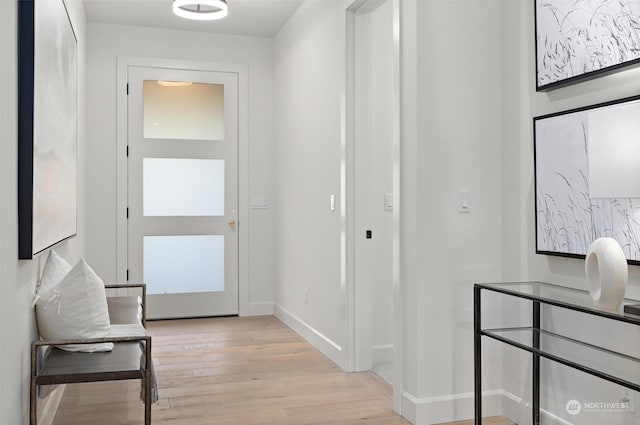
x: 607, y: 273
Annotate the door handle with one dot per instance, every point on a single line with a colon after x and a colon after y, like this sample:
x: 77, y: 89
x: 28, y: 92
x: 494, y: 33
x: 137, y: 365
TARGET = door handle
x: 232, y: 224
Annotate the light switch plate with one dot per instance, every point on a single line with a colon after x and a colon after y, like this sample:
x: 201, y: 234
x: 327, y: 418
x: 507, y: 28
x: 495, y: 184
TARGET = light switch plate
x: 464, y: 201
x: 388, y: 201
x: 260, y: 203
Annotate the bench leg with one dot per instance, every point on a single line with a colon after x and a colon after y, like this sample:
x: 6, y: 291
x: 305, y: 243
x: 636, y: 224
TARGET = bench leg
x: 33, y: 410
x: 147, y: 381
x: 147, y: 397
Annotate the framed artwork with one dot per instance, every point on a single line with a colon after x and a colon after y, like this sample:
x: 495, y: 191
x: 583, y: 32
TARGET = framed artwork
x: 47, y: 125
x: 582, y: 39
x: 587, y: 178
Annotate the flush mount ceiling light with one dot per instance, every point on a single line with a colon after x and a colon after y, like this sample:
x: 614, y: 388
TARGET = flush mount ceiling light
x: 200, y: 10
x: 174, y: 83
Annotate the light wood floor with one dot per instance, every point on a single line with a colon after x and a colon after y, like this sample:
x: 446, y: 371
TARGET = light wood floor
x: 237, y: 371
x: 240, y: 371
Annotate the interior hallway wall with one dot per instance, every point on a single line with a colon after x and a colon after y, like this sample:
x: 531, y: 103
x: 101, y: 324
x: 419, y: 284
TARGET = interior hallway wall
x: 309, y: 74
x: 110, y: 41
x: 458, y: 147
x: 18, y: 278
x: 520, y: 104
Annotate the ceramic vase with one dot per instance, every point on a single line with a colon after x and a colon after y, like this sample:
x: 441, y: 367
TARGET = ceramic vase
x: 607, y: 273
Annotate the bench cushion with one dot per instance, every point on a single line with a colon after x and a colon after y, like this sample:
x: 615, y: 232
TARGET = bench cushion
x: 55, y: 269
x: 75, y: 308
x: 125, y: 310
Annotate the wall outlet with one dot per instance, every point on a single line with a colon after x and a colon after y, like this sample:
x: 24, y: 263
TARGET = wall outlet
x: 628, y: 396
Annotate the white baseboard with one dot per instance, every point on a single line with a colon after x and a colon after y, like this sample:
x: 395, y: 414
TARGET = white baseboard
x: 552, y: 419
x: 450, y: 408
x: 322, y: 343
x: 50, y: 406
x: 261, y: 309
x: 519, y: 411
x: 382, y: 354
x: 457, y: 407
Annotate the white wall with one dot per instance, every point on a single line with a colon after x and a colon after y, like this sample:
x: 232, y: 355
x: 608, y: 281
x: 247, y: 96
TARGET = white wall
x: 475, y: 100
x: 458, y: 147
x: 309, y: 74
x: 110, y: 41
x: 18, y: 278
x: 521, y: 103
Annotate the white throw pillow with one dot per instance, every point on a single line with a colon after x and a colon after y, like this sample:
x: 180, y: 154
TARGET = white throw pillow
x: 75, y: 308
x: 55, y: 269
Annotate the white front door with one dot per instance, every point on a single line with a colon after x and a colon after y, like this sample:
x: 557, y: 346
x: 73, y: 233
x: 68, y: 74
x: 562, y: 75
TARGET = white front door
x: 183, y: 190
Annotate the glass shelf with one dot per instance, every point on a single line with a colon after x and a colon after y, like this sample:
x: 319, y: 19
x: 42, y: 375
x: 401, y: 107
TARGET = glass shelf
x: 573, y: 299
x: 606, y: 364
x: 597, y: 361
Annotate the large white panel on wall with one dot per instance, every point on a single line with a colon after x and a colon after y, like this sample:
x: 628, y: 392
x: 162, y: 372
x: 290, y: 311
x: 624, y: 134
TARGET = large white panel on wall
x: 183, y: 187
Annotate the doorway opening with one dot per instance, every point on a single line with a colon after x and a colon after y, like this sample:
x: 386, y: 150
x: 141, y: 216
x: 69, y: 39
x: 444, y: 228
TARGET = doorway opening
x: 205, y: 162
x: 372, y: 184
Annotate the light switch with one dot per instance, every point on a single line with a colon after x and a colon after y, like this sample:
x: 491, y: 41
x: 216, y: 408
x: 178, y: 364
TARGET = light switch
x: 464, y: 201
x: 388, y: 201
x: 260, y: 202
x: 332, y: 201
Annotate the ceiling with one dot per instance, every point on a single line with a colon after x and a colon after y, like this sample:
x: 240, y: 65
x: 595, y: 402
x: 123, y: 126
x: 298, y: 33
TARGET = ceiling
x: 261, y: 18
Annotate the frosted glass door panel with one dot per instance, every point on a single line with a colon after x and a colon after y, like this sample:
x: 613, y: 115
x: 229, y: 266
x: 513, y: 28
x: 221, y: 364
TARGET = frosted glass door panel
x: 183, y: 264
x: 183, y: 110
x: 183, y: 187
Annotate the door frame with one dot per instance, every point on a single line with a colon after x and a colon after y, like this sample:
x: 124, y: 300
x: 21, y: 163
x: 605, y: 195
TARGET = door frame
x: 123, y: 64
x: 355, y: 303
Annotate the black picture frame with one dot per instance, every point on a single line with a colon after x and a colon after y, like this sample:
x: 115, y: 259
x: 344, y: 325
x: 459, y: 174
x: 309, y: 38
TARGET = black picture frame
x: 567, y: 220
x: 47, y: 126
x: 584, y: 39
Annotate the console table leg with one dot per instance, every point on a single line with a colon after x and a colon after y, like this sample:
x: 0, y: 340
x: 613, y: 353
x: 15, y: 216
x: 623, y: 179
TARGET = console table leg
x: 535, y: 406
x: 477, y: 356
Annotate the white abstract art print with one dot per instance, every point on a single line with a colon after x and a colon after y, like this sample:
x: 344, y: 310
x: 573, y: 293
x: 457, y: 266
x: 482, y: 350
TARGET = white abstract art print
x: 578, y: 39
x: 47, y: 151
x: 570, y: 212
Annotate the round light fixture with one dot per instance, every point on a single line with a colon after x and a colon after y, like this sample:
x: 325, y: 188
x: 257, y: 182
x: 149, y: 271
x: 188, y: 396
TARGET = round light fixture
x: 200, y: 10
x: 165, y: 83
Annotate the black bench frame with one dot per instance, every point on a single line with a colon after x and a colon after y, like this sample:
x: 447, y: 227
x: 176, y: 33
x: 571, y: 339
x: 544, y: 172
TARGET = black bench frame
x: 40, y: 375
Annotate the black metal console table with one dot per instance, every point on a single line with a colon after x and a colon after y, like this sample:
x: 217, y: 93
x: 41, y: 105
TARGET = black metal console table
x: 610, y: 365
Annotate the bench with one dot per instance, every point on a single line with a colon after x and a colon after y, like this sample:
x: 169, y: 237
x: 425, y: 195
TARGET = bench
x: 129, y: 359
